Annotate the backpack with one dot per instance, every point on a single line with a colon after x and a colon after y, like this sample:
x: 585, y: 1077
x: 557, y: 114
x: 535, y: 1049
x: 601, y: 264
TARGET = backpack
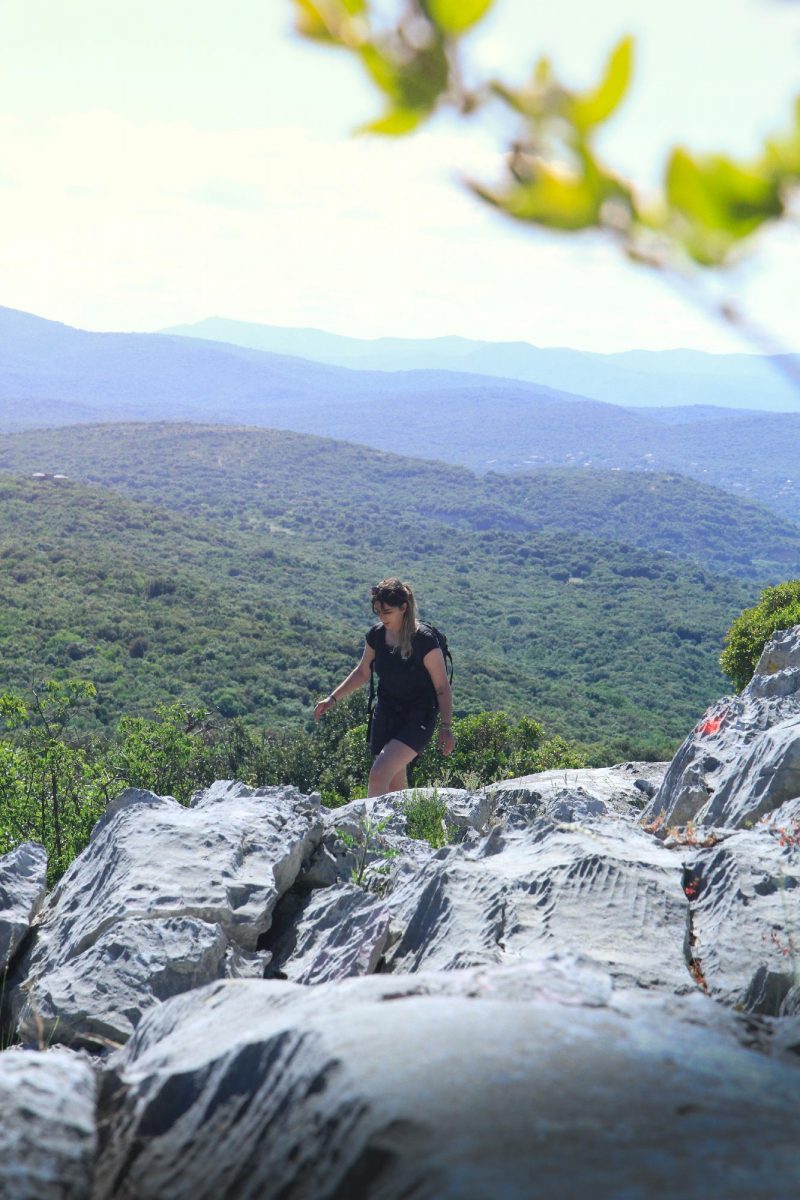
x: 441, y: 641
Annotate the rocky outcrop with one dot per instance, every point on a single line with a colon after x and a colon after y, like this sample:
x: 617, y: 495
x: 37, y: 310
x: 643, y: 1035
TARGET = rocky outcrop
x: 623, y: 789
x: 48, y: 1134
x: 576, y: 995
x: 23, y: 881
x: 327, y: 935
x: 745, y: 914
x: 164, y: 899
x: 562, y: 876
x: 535, y: 1080
x: 742, y: 759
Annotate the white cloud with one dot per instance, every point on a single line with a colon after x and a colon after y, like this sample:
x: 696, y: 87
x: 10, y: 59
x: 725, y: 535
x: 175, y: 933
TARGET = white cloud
x: 112, y: 224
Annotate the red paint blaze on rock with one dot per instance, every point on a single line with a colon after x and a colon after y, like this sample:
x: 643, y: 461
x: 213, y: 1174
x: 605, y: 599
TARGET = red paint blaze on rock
x: 711, y: 725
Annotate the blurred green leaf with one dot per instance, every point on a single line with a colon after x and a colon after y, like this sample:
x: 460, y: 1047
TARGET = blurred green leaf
x: 396, y: 122
x: 381, y: 68
x: 454, y: 17
x: 310, y: 22
x: 412, y: 87
x: 550, y: 198
x: 592, y: 108
x: 783, y: 154
x: 717, y: 194
x: 536, y: 99
x: 328, y: 20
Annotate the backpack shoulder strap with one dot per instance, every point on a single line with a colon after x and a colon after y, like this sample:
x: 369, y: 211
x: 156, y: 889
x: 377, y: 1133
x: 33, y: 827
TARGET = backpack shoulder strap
x: 442, y: 643
x: 371, y: 704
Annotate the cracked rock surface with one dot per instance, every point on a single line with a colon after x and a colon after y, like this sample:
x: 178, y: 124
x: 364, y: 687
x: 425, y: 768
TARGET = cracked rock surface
x: 485, y: 1086
x: 746, y: 916
x: 742, y: 759
x: 23, y: 881
x: 164, y: 899
x: 573, y: 997
x: 48, y: 1136
x: 590, y: 884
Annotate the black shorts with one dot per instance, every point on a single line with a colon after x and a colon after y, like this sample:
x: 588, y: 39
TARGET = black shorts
x: 412, y: 726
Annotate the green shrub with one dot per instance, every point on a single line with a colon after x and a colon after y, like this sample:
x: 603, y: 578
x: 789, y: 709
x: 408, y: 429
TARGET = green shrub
x: 171, y: 755
x: 491, y: 746
x: 778, y: 608
x: 426, y: 819
x: 52, y: 790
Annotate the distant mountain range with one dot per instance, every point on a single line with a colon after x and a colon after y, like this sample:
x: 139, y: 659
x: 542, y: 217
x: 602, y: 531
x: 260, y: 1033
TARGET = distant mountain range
x: 633, y: 378
x: 53, y: 375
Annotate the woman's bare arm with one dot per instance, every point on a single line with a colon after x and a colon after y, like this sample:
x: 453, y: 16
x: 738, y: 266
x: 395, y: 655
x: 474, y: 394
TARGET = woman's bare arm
x: 356, y: 679
x: 434, y: 662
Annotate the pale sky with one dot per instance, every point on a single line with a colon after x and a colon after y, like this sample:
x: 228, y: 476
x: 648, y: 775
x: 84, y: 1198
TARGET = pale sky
x: 177, y: 159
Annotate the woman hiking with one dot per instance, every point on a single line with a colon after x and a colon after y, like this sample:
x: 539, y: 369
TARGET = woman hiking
x: 412, y: 683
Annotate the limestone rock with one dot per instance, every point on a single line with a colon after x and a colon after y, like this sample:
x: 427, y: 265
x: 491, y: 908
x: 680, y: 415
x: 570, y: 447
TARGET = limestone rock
x: 745, y: 915
x: 622, y: 788
x: 97, y: 999
x: 327, y: 934
x: 164, y: 898
x: 478, y: 1093
x: 23, y: 882
x: 48, y: 1140
x: 597, y: 886
x: 743, y: 758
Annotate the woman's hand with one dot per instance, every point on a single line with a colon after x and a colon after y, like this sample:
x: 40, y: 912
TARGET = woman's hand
x: 446, y: 740
x: 323, y: 706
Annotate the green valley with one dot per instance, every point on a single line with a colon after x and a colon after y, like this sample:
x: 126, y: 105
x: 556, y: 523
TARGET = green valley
x: 231, y: 567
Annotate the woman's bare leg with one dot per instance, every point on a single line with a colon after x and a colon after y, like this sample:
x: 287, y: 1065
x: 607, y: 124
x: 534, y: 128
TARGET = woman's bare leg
x: 400, y: 781
x: 388, y: 772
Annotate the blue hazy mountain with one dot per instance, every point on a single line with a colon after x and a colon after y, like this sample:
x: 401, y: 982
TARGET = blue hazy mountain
x: 51, y: 375
x: 638, y: 378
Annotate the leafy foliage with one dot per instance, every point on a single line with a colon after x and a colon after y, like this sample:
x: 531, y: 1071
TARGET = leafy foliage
x: 709, y: 205
x: 427, y: 819
x: 55, y: 784
x: 778, y: 608
x: 52, y: 789
x: 492, y: 746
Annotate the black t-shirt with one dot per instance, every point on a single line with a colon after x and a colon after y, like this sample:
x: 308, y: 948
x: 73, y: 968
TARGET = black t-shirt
x: 403, y: 681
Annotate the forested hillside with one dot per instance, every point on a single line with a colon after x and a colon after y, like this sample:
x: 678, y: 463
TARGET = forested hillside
x: 315, y: 486
x: 240, y: 578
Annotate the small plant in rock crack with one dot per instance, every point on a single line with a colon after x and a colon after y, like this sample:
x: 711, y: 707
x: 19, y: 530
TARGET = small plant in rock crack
x: 787, y: 943
x: 688, y: 835
x: 426, y: 819
x: 654, y: 826
x: 789, y: 947
x: 366, y: 841
x: 787, y: 837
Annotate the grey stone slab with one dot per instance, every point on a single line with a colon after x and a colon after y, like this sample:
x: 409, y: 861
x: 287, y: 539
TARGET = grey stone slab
x: 742, y: 759
x: 334, y: 933
x: 745, y: 916
x: 23, y: 883
x: 162, y: 896
x: 600, y: 887
x: 624, y: 789
x: 97, y: 998
x: 475, y: 1096
x: 48, y: 1137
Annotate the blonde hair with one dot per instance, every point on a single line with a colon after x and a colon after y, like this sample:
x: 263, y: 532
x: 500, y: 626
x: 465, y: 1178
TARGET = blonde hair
x: 394, y: 593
